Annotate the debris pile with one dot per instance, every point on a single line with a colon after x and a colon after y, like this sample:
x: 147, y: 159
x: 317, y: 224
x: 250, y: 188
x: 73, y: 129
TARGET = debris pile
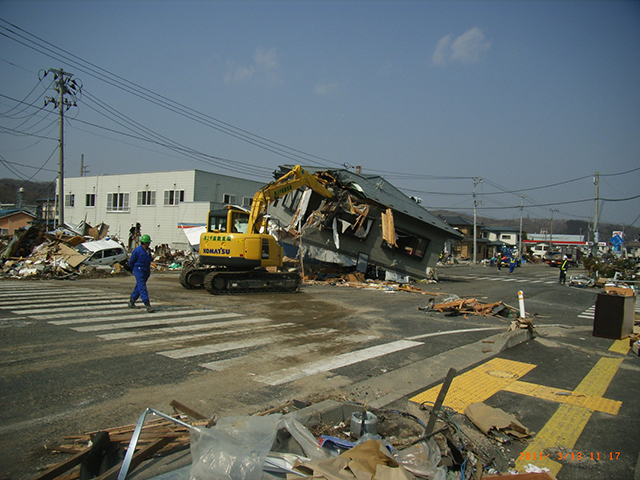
x: 454, y: 306
x: 36, y: 253
x: 330, y: 440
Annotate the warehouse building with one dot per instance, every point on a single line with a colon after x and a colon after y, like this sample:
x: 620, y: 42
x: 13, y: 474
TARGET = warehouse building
x: 164, y: 204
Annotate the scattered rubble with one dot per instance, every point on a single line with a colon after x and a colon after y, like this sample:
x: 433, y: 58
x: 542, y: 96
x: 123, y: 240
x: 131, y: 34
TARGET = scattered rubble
x: 454, y: 306
x: 292, y: 440
x: 35, y: 253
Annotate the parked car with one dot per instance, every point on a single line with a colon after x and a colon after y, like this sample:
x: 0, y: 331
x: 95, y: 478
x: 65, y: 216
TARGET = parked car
x: 102, y: 252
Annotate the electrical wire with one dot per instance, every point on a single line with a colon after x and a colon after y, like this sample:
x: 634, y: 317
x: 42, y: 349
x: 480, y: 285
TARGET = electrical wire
x: 153, y: 97
x: 149, y: 135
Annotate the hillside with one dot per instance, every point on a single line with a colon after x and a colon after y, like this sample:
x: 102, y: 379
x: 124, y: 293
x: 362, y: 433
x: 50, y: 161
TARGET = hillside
x: 32, y: 191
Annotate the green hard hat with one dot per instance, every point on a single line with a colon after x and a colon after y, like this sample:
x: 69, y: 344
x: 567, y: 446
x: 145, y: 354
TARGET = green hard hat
x: 145, y: 238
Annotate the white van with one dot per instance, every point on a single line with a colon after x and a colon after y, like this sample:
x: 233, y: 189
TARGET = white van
x: 102, y: 252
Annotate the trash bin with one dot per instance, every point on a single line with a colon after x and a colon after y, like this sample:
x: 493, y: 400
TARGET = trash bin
x: 614, y: 316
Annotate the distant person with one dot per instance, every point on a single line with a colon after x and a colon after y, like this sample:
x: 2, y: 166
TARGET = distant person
x: 140, y: 263
x: 564, y: 266
x: 513, y: 261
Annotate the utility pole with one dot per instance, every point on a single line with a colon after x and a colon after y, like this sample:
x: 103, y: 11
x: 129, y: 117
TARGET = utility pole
x: 596, y: 181
x: 551, y: 234
x: 476, y: 181
x: 520, y: 234
x: 84, y: 169
x: 65, y: 86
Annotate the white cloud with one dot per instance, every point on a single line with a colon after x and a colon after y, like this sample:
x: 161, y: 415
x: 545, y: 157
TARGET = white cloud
x: 265, y: 62
x: 326, y: 88
x: 443, y: 50
x: 238, y: 73
x: 467, y: 48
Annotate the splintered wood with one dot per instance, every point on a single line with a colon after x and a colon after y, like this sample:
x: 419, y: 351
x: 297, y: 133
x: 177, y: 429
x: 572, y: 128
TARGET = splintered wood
x: 158, y: 437
x: 467, y: 306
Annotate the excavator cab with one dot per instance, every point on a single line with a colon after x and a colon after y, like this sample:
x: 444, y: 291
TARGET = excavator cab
x: 229, y: 220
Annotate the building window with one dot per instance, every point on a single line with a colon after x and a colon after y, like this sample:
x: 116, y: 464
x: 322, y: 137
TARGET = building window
x: 411, y: 244
x: 4, y: 231
x: 90, y: 200
x: 173, y: 197
x: 246, y: 201
x: 146, y: 197
x: 229, y: 199
x: 69, y: 200
x: 117, y: 202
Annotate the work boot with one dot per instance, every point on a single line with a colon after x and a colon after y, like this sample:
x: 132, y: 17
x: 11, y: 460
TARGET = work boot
x: 150, y: 309
x: 132, y: 303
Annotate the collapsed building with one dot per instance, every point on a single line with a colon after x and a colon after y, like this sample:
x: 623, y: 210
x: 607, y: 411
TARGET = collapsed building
x: 368, y: 224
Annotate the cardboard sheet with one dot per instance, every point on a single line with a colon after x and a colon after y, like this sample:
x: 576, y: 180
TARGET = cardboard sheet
x: 489, y: 419
x: 367, y: 461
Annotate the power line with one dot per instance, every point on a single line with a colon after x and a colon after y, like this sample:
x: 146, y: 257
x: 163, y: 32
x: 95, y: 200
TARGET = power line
x: 159, y: 100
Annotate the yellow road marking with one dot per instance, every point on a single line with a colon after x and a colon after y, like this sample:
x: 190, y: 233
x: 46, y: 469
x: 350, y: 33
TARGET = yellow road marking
x: 565, y: 396
x: 620, y: 346
x: 477, y: 384
x: 566, y: 425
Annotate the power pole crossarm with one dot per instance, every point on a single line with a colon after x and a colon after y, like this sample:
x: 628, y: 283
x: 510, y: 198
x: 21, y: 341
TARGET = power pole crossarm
x: 68, y: 90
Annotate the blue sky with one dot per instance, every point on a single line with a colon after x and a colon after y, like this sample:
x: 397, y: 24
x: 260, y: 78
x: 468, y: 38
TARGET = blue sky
x: 533, y: 97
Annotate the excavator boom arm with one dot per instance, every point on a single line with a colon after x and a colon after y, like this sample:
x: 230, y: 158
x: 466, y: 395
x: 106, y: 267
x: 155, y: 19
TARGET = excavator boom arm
x: 294, y: 179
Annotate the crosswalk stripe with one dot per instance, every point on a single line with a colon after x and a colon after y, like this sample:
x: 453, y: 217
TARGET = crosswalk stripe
x: 67, y: 309
x: 216, y: 348
x: 181, y: 328
x: 108, y: 315
x: 338, y: 361
x: 220, y: 365
x: 316, y: 332
x: 26, y: 309
x: 11, y: 302
x: 147, y: 323
x: 41, y: 293
x: 208, y: 335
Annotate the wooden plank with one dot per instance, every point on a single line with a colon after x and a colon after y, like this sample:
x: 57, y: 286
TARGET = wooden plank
x: 138, y: 457
x: 62, y: 467
x: 183, y: 408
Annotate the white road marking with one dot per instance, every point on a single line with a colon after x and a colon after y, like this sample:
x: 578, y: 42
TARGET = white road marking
x: 331, y: 363
x: 147, y: 323
x: 68, y: 309
x: 185, y: 338
x: 216, y: 348
x: 39, y: 306
x: 109, y: 316
x: 184, y: 328
x: 452, y: 332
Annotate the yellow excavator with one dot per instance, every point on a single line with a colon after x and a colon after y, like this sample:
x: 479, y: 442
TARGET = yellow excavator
x: 236, y: 249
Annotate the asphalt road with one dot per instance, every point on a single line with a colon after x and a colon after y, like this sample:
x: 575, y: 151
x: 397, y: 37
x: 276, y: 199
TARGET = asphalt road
x: 76, y: 359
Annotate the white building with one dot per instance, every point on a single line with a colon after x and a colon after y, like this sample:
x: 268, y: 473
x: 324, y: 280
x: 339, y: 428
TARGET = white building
x: 163, y: 203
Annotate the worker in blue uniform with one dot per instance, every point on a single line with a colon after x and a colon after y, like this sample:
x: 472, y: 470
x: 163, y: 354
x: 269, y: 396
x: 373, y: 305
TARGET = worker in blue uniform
x: 140, y: 263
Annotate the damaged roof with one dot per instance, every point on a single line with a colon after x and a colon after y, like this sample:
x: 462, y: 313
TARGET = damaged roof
x: 376, y: 188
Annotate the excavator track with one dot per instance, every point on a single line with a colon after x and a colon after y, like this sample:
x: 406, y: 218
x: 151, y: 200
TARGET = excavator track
x: 253, y: 281
x: 192, y: 278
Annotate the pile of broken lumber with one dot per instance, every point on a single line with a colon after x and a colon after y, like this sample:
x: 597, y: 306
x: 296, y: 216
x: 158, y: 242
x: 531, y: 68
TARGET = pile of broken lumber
x: 158, y: 437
